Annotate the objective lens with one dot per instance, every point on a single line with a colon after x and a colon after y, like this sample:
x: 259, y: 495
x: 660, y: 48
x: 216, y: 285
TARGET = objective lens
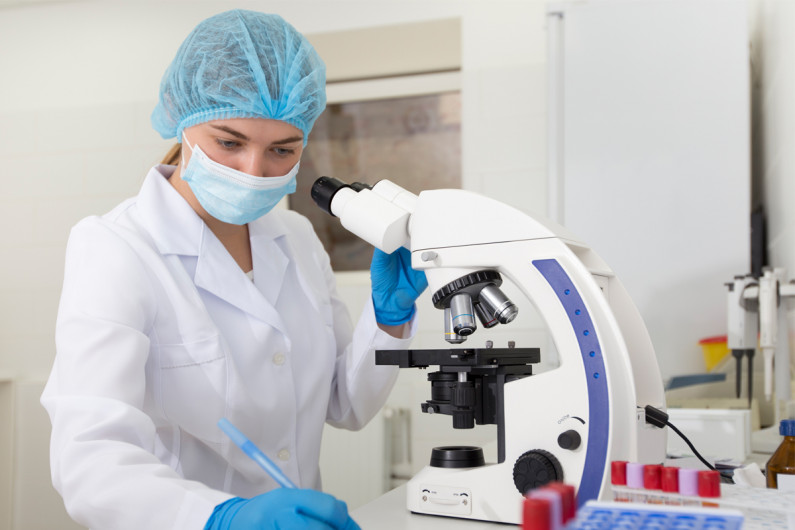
x: 495, y: 302
x: 449, y: 335
x: 488, y: 320
x: 463, y: 314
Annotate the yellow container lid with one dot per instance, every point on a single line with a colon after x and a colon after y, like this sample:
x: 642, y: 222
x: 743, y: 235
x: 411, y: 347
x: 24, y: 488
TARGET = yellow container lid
x: 714, y: 350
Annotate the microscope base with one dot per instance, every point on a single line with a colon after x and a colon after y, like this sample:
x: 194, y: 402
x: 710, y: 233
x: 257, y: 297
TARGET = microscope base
x: 485, y: 493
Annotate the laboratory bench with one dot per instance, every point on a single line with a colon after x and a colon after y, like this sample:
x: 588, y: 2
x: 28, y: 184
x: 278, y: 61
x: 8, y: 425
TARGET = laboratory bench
x: 389, y: 512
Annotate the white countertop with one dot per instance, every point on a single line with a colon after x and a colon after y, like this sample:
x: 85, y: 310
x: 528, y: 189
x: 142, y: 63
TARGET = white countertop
x: 389, y: 512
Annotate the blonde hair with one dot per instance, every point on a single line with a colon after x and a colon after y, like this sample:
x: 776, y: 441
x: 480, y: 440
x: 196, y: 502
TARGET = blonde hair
x: 174, y: 155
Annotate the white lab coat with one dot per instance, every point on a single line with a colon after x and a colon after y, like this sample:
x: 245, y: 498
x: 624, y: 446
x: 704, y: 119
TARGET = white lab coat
x: 160, y: 334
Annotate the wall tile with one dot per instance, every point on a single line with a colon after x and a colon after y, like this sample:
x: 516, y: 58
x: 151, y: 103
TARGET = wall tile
x: 531, y: 183
x: 16, y: 312
x: 18, y: 214
x: 54, y: 218
x: 33, y: 487
x: 86, y: 129
x: 7, y: 436
x: 32, y: 266
x: 28, y: 356
x: 17, y: 134
x: 27, y: 330
x: 143, y: 133
x: 51, y: 175
x: 119, y: 171
x: 513, y: 92
x: 509, y: 143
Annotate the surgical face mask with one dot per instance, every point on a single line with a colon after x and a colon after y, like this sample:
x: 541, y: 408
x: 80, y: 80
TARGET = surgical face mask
x: 230, y: 195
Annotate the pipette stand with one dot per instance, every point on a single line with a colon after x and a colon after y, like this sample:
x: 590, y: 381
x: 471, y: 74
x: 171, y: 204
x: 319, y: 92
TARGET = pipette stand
x: 765, y: 306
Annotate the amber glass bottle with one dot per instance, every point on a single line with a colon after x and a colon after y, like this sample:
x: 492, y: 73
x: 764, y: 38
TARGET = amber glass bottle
x: 783, y: 460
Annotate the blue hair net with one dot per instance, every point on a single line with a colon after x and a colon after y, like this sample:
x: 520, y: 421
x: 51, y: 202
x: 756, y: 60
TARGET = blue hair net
x: 241, y: 64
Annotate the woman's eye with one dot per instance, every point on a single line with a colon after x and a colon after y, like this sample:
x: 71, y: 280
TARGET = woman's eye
x: 227, y: 144
x: 281, y: 151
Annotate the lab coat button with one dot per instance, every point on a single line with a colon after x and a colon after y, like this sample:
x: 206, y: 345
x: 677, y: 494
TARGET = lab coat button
x: 279, y: 359
x: 284, y: 455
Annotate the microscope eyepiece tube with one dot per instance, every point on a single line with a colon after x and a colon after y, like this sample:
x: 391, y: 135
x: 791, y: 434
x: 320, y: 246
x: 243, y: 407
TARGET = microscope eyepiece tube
x: 463, y: 314
x: 449, y: 335
x: 497, y: 304
x: 382, y: 222
x: 323, y: 191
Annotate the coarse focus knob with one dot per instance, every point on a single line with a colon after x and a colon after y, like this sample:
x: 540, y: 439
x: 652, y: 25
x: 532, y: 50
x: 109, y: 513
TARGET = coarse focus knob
x: 534, y: 469
x: 570, y: 440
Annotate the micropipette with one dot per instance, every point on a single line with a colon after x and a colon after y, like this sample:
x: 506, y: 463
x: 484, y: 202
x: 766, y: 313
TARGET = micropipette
x: 743, y: 325
x: 248, y: 447
x: 768, y: 324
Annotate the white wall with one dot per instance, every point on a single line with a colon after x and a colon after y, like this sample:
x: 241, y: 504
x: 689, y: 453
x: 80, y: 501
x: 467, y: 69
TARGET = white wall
x: 773, y: 71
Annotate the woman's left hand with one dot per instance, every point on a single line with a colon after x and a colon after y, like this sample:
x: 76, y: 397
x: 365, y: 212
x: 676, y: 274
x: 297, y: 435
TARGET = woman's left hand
x: 396, y: 286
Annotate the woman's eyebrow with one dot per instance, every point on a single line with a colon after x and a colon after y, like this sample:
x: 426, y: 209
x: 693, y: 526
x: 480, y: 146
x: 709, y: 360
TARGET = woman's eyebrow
x: 236, y: 134
x: 240, y: 135
x: 289, y: 140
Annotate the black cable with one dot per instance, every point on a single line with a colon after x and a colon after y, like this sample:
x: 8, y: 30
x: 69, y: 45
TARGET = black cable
x: 690, y: 445
x: 659, y: 418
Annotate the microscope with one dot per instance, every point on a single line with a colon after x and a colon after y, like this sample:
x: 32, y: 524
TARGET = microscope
x: 562, y: 425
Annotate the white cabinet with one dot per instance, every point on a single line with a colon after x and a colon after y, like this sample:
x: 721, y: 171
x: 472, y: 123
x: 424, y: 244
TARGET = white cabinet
x: 649, y: 154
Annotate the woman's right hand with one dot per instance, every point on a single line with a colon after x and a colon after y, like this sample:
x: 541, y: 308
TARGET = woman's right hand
x: 282, y: 508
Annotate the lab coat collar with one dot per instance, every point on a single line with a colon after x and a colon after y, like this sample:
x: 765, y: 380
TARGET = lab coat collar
x: 167, y: 216
x: 269, y: 254
x: 177, y: 229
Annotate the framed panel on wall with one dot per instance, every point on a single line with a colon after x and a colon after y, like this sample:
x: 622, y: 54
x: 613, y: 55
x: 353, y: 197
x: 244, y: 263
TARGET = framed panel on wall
x: 407, y: 131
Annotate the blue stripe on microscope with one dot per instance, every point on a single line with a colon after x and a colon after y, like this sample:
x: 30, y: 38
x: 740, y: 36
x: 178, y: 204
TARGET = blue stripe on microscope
x: 596, y: 378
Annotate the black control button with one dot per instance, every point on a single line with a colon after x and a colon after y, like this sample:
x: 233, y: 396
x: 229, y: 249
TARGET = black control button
x: 569, y: 440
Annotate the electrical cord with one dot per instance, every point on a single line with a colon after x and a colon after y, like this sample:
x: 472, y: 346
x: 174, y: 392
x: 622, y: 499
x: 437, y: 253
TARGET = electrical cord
x: 659, y: 418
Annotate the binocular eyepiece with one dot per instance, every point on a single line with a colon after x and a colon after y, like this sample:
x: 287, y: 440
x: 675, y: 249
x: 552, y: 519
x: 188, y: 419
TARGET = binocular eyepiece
x: 379, y: 214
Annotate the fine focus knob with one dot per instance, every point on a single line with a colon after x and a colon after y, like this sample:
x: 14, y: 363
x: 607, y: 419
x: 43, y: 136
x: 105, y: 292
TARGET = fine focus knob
x: 570, y: 440
x: 534, y: 469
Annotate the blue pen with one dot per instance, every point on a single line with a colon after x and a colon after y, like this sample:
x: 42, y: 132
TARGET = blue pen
x: 254, y: 453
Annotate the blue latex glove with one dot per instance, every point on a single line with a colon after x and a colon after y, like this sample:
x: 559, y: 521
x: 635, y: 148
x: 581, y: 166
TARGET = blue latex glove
x: 395, y: 286
x: 280, y: 509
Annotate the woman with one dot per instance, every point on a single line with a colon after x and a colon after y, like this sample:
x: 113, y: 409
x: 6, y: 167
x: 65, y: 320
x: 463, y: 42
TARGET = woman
x: 196, y: 300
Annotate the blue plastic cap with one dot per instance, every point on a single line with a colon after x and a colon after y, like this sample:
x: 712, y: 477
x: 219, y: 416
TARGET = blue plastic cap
x: 787, y: 428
